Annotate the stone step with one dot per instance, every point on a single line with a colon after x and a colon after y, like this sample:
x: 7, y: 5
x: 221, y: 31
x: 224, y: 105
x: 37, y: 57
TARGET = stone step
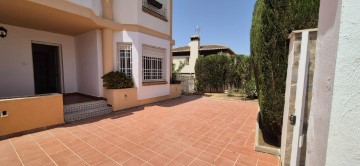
x: 85, y: 114
x: 84, y: 106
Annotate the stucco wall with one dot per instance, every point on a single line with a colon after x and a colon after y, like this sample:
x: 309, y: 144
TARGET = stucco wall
x: 126, y: 14
x: 326, y: 52
x: 130, y: 12
x: 31, y: 113
x: 16, y: 65
x: 94, y: 5
x: 344, y: 129
x: 137, y: 40
x: 89, y: 63
x: 126, y: 98
x: 187, y: 68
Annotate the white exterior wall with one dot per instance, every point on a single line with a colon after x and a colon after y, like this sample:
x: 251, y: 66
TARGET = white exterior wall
x: 16, y: 65
x: 94, y: 5
x: 187, y: 68
x: 344, y: 129
x: 326, y: 47
x: 137, y: 40
x: 130, y: 12
x: 334, y: 126
x: 89, y: 63
x: 126, y: 11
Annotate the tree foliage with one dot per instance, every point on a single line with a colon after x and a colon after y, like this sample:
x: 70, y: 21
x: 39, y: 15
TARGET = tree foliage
x: 272, y: 22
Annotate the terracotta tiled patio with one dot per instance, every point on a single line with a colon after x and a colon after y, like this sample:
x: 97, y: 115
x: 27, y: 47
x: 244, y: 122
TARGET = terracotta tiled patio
x: 186, y: 131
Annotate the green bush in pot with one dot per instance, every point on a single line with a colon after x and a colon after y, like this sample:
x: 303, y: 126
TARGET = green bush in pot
x: 117, y: 80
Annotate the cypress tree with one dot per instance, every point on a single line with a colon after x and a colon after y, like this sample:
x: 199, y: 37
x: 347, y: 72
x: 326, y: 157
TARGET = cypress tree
x: 271, y: 24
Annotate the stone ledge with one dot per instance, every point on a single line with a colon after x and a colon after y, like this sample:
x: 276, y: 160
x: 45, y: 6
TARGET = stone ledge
x: 264, y: 149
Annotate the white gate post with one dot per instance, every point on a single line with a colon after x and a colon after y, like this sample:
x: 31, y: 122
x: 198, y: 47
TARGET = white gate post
x: 300, y: 99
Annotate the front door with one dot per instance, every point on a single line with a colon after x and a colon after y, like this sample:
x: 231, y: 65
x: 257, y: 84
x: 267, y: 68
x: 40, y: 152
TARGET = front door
x: 46, y: 64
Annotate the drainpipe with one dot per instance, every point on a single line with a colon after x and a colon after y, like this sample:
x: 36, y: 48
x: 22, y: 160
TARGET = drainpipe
x: 107, y: 37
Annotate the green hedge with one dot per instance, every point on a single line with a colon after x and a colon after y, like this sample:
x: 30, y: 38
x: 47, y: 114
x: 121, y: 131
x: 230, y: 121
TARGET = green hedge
x: 273, y: 20
x: 214, y: 72
x: 211, y: 73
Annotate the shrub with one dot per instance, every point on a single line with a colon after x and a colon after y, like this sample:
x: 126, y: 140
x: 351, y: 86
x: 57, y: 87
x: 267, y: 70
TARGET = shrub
x: 214, y: 72
x: 272, y: 22
x: 117, y: 80
x: 211, y: 73
x: 230, y: 92
x: 250, y: 89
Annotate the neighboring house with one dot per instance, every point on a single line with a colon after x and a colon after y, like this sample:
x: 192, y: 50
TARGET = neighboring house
x: 189, y: 54
x: 66, y: 46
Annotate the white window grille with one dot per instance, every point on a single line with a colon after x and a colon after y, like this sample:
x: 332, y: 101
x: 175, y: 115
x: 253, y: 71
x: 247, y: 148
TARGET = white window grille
x: 153, y: 64
x: 124, y: 59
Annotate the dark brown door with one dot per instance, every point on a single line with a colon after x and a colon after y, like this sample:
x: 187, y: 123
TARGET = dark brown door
x: 46, y: 68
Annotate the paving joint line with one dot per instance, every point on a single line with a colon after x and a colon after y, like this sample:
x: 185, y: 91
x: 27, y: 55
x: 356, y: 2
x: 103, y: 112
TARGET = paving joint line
x: 91, y: 147
x: 42, y: 149
x: 133, y: 155
x: 17, y: 154
x: 66, y: 147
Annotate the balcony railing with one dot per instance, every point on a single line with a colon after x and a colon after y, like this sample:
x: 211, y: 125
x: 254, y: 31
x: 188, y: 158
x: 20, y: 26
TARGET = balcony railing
x: 159, y: 13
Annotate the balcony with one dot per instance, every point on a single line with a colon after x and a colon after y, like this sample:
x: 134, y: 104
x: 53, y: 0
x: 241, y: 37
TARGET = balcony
x: 159, y: 12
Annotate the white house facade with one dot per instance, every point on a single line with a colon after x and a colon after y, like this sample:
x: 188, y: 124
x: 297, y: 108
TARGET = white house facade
x: 90, y: 39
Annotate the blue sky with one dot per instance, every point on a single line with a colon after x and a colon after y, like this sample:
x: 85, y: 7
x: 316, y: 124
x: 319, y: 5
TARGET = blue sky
x: 224, y: 22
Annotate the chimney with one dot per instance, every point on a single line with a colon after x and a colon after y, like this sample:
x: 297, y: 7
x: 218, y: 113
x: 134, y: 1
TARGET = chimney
x: 194, y: 49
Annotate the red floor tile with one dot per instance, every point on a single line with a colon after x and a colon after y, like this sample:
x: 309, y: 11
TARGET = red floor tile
x: 159, y: 160
x: 122, y: 157
x: 207, y: 157
x: 146, y: 155
x: 184, y: 159
x: 170, y: 153
x: 198, y: 162
x: 134, y: 162
x: 223, y: 162
x: 65, y: 157
x: 188, y: 130
x: 248, y: 161
x: 213, y: 150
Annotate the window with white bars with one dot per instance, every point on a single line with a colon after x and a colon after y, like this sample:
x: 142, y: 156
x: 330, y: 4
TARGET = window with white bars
x: 124, y: 58
x: 153, y: 63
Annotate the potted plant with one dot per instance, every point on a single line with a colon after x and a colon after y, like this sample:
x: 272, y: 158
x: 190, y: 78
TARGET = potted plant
x: 117, y: 80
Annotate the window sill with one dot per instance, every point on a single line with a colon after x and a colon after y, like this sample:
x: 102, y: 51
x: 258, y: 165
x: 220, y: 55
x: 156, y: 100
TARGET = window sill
x: 154, y: 83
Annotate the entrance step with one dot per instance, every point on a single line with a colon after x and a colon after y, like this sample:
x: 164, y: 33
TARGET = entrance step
x: 80, y: 111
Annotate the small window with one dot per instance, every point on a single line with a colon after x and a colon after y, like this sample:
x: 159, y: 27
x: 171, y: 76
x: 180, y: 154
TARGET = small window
x: 187, y: 60
x: 153, y: 64
x: 124, y: 59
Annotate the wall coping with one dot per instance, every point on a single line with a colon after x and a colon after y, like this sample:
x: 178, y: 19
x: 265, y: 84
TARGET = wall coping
x: 30, y: 97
